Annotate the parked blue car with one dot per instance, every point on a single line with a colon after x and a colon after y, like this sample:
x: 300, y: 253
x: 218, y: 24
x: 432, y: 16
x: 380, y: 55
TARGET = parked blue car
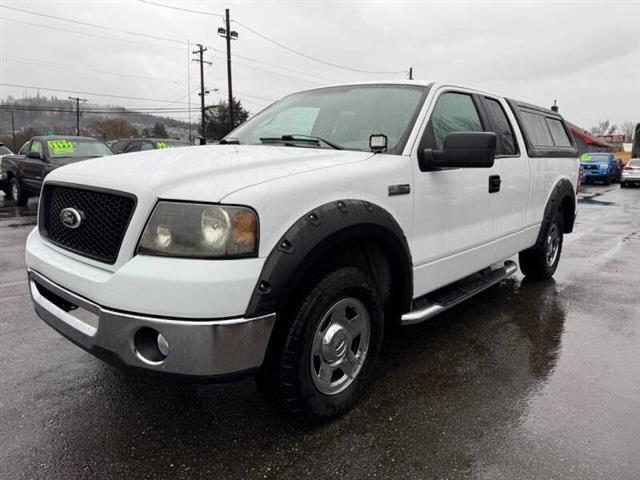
x: 600, y: 167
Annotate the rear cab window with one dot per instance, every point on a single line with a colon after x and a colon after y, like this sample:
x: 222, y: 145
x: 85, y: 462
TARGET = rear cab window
x: 545, y: 132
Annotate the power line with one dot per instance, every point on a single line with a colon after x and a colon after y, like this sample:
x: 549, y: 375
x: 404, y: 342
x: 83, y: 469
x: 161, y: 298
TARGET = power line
x: 115, y: 110
x: 35, y: 61
x: 302, y: 54
x: 86, y: 93
x: 87, y: 24
x: 157, y: 45
x: 275, y: 42
x: 181, y: 9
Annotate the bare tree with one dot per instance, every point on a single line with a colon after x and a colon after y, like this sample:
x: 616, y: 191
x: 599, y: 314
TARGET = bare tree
x: 113, y: 128
x: 627, y: 128
x: 604, y: 127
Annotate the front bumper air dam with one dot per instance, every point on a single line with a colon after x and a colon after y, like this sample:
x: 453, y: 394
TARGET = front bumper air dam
x: 193, y: 348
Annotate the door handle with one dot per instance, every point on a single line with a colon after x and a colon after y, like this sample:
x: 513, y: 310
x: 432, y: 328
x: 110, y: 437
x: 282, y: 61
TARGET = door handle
x: 494, y: 183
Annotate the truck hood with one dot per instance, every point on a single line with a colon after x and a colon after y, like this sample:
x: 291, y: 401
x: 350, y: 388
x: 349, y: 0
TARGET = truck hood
x: 204, y: 173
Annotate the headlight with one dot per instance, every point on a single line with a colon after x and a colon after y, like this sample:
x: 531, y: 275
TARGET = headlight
x: 604, y: 166
x: 200, y: 230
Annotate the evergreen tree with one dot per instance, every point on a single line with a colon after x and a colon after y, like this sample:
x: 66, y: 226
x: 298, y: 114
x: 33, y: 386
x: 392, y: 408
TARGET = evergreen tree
x: 217, y: 119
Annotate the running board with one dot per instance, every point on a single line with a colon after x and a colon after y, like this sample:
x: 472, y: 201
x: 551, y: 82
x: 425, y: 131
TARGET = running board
x: 444, y: 298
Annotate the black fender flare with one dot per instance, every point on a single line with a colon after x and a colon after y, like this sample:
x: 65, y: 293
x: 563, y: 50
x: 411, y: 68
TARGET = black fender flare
x: 562, y: 191
x: 315, y: 233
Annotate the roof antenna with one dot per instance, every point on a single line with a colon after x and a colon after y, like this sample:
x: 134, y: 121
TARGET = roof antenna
x: 555, y: 106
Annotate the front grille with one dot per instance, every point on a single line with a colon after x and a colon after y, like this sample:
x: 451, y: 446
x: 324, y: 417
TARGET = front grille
x: 105, y: 217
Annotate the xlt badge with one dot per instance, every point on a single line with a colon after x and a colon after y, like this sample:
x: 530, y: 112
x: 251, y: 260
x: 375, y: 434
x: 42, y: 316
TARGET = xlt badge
x: 402, y: 189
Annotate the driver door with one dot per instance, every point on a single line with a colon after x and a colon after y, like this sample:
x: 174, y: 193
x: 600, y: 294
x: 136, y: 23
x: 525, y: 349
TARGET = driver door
x: 33, y: 169
x: 453, y: 215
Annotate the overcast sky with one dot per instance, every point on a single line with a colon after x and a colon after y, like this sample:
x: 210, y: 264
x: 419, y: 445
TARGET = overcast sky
x: 584, y: 54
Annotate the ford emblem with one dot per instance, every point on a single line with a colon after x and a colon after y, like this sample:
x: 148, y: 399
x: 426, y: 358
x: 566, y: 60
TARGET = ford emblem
x: 70, y: 217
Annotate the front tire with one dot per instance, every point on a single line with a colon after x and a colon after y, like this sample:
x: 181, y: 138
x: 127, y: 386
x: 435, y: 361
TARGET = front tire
x: 541, y: 261
x: 331, y: 347
x: 18, y: 194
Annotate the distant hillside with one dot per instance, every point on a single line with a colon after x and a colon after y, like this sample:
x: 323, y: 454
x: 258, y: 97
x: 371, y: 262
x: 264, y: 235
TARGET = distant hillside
x: 42, y: 115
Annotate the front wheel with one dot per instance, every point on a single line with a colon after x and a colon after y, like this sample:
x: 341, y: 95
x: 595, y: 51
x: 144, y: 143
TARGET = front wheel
x: 331, y: 346
x: 541, y: 261
x: 18, y: 194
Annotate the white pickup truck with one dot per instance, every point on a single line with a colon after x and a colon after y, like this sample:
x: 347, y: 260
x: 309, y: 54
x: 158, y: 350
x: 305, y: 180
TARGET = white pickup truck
x: 287, y: 250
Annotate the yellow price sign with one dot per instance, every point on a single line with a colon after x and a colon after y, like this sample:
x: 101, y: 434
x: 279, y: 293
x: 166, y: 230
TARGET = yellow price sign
x: 60, y: 147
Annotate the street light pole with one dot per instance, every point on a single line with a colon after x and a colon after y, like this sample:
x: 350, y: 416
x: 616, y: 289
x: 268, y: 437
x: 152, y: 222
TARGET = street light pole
x: 78, y: 100
x: 229, y: 35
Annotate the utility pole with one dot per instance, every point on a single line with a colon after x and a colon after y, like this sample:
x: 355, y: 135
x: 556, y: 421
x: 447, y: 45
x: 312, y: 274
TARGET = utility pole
x: 229, y: 35
x: 13, y: 133
x: 78, y: 100
x: 410, y: 73
x: 203, y: 92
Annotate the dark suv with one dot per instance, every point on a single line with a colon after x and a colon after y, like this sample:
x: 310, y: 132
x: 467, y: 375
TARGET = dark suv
x: 127, y: 145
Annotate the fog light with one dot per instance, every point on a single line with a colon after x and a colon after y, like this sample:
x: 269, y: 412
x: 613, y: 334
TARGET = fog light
x: 163, y: 345
x: 150, y: 346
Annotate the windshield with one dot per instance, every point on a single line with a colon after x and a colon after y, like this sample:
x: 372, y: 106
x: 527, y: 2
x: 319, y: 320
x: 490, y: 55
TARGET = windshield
x: 337, y: 117
x: 4, y: 151
x: 74, y: 148
x: 634, y: 163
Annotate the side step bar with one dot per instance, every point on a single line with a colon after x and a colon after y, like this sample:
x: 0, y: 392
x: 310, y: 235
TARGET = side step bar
x: 437, y: 302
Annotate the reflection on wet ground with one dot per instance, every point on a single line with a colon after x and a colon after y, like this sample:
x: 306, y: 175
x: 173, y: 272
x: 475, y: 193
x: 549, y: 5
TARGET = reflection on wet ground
x: 527, y: 380
x: 18, y: 215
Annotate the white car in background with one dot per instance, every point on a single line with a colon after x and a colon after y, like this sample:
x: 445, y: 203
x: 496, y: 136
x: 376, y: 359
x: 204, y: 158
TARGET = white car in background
x: 631, y: 173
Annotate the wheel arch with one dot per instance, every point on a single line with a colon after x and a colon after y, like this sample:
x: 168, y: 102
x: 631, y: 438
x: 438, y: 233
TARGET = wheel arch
x: 563, y: 197
x: 339, y: 230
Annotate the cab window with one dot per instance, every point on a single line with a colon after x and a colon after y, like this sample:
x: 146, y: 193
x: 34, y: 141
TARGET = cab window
x: 36, y: 147
x: 453, y: 112
x: 146, y: 146
x: 507, y: 144
x: 132, y: 147
x: 24, y: 149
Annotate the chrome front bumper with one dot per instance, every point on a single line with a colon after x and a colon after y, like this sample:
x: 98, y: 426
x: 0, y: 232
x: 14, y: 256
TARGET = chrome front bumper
x: 190, y: 347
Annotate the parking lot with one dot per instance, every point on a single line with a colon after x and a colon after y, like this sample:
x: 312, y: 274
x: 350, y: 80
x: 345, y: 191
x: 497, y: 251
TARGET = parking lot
x: 527, y: 380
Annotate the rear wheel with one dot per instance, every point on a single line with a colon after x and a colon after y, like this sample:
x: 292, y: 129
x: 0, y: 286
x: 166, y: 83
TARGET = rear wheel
x: 329, y: 348
x: 18, y: 194
x: 541, y: 261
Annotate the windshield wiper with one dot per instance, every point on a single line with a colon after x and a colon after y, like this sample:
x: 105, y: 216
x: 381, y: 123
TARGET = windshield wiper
x: 296, y: 137
x: 229, y: 141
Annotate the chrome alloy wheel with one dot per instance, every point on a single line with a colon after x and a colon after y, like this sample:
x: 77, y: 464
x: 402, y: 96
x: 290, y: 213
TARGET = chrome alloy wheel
x: 340, y: 346
x: 14, y: 191
x: 553, y: 245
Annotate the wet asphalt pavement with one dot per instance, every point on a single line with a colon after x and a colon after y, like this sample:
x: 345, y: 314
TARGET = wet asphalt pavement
x: 527, y: 380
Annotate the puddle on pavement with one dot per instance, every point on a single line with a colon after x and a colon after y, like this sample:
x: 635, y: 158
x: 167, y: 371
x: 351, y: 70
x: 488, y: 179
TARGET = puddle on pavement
x: 9, y: 210
x: 591, y: 198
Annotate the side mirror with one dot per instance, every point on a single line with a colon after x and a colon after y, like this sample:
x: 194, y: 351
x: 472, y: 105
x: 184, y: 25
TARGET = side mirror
x: 461, y: 150
x: 35, y: 155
